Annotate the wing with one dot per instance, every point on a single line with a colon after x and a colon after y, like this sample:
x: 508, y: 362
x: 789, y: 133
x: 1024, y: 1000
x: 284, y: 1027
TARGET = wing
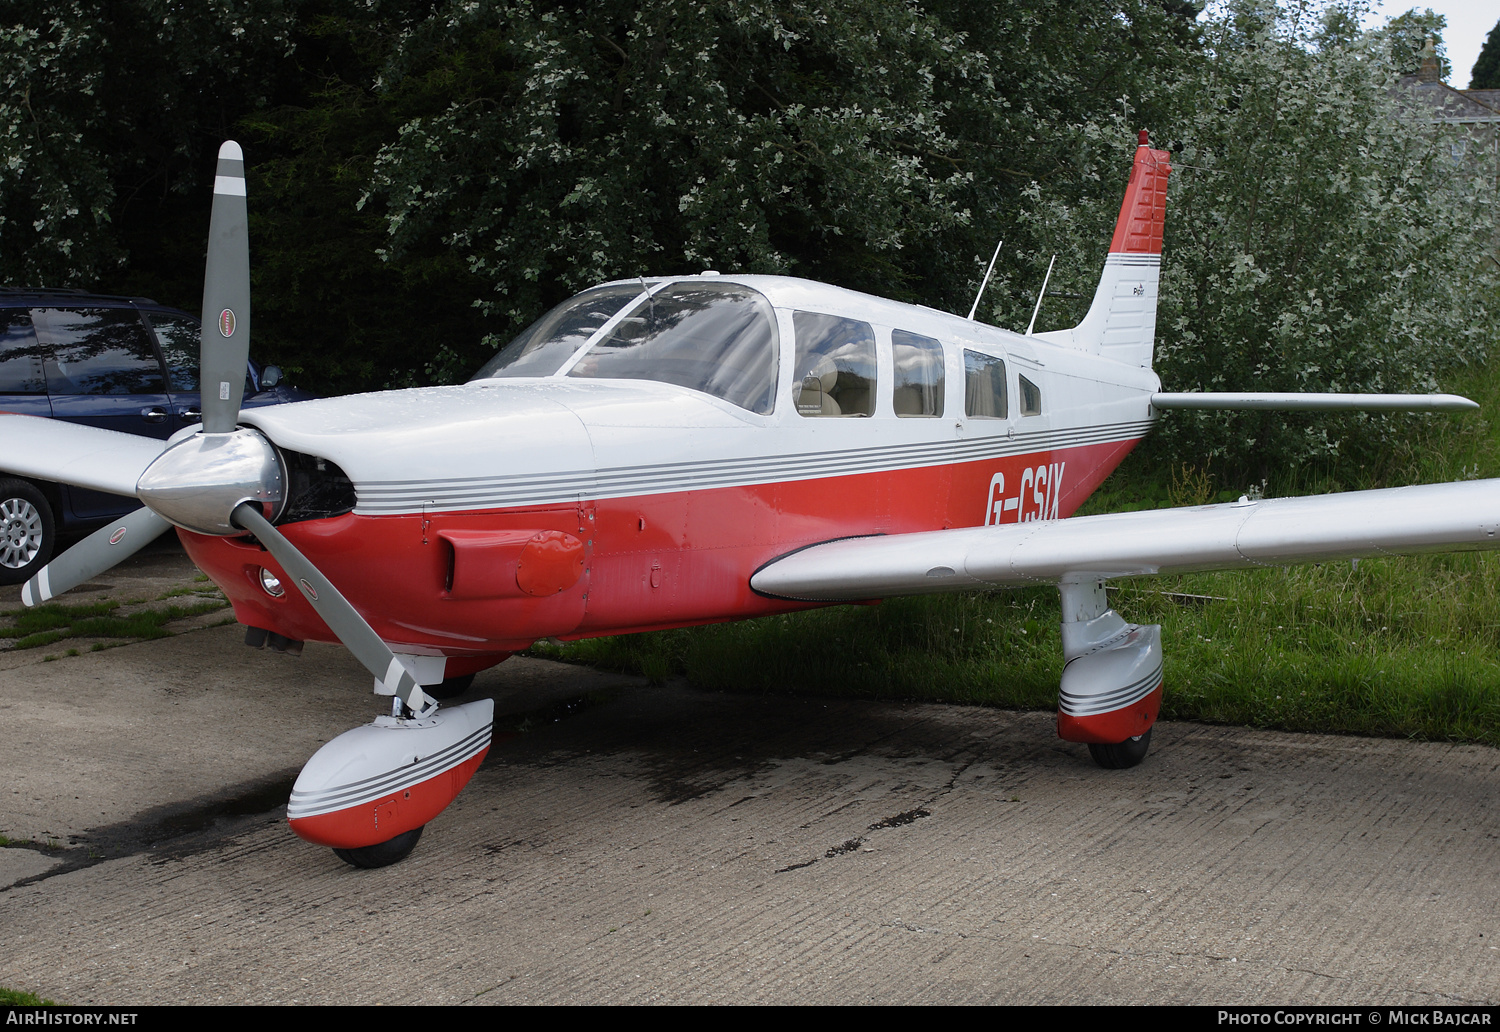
x: 1279, y: 532
x: 82, y: 456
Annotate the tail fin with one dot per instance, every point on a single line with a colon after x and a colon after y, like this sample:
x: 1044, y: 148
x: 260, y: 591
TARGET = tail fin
x: 1121, y: 323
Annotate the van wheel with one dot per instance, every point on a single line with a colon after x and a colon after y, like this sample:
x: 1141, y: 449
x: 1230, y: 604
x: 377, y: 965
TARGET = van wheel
x: 28, y: 533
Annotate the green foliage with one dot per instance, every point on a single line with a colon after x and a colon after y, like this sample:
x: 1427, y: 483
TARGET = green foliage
x: 875, y: 145
x: 1319, y: 237
x: 1402, y: 38
x: 329, y: 310
x: 1486, y: 73
x: 105, y: 108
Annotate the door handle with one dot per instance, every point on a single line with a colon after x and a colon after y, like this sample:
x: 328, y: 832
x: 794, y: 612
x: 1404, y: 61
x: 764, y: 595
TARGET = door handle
x: 189, y: 412
x: 154, y: 414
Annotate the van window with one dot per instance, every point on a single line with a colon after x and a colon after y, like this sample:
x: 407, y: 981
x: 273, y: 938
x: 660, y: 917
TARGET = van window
x: 20, y: 355
x: 99, y: 351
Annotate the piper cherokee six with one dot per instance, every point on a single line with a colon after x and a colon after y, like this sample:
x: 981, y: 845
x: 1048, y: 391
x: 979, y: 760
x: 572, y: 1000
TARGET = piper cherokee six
x: 669, y: 451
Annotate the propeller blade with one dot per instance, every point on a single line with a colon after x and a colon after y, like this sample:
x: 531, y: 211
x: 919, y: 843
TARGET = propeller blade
x: 93, y: 555
x: 226, y: 297
x: 74, y: 454
x: 342, y: 618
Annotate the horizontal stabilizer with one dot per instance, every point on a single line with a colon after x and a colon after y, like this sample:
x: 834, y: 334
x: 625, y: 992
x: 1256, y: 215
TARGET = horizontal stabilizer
x: 1312, y: 402
x: 1276, y: 532
x: 76, y: 455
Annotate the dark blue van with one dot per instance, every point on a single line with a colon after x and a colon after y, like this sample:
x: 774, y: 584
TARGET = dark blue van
x: 123, y: 363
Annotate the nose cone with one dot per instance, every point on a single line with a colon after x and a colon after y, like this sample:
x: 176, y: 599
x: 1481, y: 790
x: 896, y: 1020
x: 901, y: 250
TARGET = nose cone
x: 197, y: 482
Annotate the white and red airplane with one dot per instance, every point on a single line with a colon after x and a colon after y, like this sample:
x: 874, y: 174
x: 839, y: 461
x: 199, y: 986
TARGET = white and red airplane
x: 663, y: 452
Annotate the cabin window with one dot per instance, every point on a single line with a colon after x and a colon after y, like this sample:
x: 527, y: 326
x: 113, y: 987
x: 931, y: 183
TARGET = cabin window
x: 984, y: 386
x: 835, y: 366
x: 718, y: 338
x: 1031, y: 398
x: 919, y: 374
x: 546, y: 344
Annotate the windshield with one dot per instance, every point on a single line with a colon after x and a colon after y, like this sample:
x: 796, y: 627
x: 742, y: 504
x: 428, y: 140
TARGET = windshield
x: 546, y: 344
x: 718, y: 338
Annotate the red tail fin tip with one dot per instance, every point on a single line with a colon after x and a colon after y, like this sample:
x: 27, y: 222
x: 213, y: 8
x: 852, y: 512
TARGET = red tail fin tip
x: 1144, y: 210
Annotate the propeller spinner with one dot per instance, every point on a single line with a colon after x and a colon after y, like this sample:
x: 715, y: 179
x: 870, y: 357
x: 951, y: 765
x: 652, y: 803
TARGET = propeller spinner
x: 224, y: 479
x: 366, y: 793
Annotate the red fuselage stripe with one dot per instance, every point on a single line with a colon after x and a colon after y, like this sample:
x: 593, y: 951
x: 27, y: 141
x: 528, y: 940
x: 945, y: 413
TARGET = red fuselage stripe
x: 656, y: 560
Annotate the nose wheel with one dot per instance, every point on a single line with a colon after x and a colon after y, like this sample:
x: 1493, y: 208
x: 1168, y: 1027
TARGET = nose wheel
x: 1121, y: 755
x: 382, y: 854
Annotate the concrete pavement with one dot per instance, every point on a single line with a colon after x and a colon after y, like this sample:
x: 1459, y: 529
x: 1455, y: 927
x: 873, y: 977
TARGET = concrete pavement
x: 628, y: 843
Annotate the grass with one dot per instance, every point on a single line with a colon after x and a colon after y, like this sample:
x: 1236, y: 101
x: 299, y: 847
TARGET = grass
x: 14, y: 998
x: 56, y: 621
x: 1404, y: 646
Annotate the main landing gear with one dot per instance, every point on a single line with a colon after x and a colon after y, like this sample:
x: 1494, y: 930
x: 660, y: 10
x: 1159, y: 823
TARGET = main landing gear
x: 1111, y: 683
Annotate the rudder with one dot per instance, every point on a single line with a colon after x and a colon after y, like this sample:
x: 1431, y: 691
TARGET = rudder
x: 1121, y: 322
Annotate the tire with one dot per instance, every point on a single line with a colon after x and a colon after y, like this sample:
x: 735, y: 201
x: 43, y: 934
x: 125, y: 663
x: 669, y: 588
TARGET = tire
x: 382, y: 854
x: 28, y: 531
x: 1121, y: 755
x: 451, y: 688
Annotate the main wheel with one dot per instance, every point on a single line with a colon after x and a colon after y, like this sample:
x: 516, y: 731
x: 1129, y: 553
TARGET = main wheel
x: 451, y: 688
x: 382, y: 854
x: 1121, y: 754
x: 28, y: 533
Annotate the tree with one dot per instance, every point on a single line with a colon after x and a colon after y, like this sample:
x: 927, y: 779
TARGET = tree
x: 1486, y: 73
x: 1320, y: 237
x: 107, y: 108
x: 1403, y: 37
x: 881, y: 146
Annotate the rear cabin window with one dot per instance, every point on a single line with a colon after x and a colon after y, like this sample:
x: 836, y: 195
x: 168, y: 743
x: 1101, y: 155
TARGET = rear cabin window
x: 835, y: 374
x: 919, y: 374
x: 1031, y: 398
x: 718, y: 338
x: 984, y: 386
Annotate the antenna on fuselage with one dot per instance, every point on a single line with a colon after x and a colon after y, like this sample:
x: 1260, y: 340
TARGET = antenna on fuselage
x: 986, y: 281
x: 1038, y: 308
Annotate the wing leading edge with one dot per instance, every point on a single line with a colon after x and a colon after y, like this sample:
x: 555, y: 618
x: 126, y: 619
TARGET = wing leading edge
x: 1277, y: 532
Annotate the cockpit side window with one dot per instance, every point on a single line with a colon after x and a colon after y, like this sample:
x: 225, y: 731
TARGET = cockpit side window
x: 545, y: 345
x: 835, y: 374
x: 984, y: 386
x: 718, y: 338
x: 919, y: 374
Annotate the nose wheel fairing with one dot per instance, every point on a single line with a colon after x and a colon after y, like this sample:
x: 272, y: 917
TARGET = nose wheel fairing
x: 389, y: 777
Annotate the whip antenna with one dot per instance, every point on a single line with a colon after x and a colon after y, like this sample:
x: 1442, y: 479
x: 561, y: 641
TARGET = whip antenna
x: 1041, y: 295
x: 986, y: 281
